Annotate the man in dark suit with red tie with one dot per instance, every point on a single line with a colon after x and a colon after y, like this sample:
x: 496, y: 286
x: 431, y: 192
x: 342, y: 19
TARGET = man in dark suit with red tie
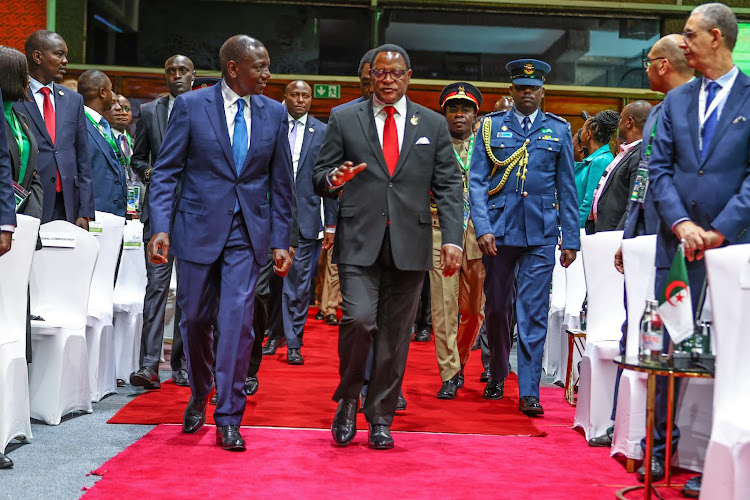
x: 60, y: 128
x: 383, y: 157
x: 227, y: 147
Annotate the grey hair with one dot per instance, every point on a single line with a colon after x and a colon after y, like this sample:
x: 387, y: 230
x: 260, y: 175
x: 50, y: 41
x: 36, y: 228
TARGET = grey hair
x: 718, y: 16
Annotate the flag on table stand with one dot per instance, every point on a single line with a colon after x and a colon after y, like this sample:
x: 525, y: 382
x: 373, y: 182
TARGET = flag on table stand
x: 675, y: 305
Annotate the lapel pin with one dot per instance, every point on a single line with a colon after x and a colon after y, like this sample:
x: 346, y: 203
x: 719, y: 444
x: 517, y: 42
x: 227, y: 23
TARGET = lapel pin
x: 61, y: 92
x: 739, y: 119
x: 311, y: 130
x: 503, y: 128
x: 414, y: 120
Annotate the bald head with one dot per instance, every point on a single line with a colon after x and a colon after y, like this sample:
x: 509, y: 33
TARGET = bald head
x: 298, y: 98
x: 236, y: 49
x: 669, y: 48
x: 179, y: 73
x: 638, y: 111
x: 504, y: 104
x: 632, y: 119
x: 245, y: 65
x: 96, y: 89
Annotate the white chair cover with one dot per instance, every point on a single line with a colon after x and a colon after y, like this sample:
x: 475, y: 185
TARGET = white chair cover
x: 99, y: 328
x: 15, y: 266
x: 693, y: 414
x: 575, y: 293
x: 728, y: 457
x: 606, y: 313
x: 60, y: 284
x: 129, y: 292
x: 552, y: 363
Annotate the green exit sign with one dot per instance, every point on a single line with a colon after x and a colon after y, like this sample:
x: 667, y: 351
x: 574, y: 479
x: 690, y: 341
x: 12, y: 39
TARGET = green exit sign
x: 327, y: 91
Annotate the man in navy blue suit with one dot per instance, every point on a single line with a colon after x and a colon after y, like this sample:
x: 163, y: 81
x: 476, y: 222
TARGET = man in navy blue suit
x: 60, y: 130
x: 227, y: 147
x: 107, y: 161
x: 305, y: 138
x: 698, y: 169
x: 522, y: 190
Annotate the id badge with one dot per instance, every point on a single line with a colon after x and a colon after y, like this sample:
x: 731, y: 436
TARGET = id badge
x: 466, y: 208
x: 134, y: 195
x: 641, y: 183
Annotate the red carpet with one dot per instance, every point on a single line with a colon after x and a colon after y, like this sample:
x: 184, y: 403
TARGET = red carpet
x: 300, y: 396
x: 285, y: 463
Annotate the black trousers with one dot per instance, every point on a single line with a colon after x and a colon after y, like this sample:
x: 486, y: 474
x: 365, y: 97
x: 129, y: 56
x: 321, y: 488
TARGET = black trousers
x: 380, y: 305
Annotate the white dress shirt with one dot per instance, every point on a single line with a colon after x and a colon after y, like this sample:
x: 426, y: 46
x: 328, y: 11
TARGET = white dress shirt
x: 399, y: 116
x: 170, y: 105
x: 297, y: 149
x: 230, y: 110
x: 35, y: 87
x: 726, y: 82
x: 520, y: 116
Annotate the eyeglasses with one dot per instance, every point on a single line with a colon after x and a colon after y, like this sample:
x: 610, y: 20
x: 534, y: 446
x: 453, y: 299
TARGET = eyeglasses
x: 647, y: 61
x: 380, y: 74
x: 691, y: 35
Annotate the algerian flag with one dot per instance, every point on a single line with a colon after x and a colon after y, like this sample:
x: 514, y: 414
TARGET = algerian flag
x: 675, y: 306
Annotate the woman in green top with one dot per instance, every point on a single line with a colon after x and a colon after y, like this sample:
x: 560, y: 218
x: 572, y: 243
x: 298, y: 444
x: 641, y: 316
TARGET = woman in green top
x: 595, y: 136
x: 14, y: 80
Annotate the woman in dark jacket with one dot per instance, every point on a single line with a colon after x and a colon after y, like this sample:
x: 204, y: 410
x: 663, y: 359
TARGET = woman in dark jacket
x: 14, y: 82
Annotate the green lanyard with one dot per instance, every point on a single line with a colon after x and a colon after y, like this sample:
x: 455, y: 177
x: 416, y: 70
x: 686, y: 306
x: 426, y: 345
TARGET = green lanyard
x: 651, y: 140
x: 109, y: 140
x: 465, y: 167
x: 17, y: 133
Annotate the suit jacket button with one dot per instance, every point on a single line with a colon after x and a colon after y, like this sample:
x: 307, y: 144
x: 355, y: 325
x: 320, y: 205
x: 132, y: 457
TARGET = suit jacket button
x: 55, y: 151
x: 390, y: 184
x: 53, y: 179
x: 692, y: 203
x: 231, y: 212
x: 502, y: 146
x: 700, y: 172
x: 117, y: 182
x: 525, y: 194
x: 383, y: 214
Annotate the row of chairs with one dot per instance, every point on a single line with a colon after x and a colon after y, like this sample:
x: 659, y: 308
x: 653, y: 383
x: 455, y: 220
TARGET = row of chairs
x: 89, y: 331
x: 711, y: 433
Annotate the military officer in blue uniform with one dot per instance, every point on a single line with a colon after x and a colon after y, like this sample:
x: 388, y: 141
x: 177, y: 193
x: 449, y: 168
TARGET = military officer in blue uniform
x: 522, y: 190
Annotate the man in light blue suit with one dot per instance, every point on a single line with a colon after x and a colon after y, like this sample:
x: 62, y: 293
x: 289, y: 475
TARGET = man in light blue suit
x: 227, y: 147
x: 107, y: 161
x: 521, y: 190
x: 699, y: 167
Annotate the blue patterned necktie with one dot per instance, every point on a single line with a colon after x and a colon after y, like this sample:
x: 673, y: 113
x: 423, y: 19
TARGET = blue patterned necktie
x: 526, y: 124
x: 710, y: 124
x: 239, y: 141
x: 107, y: 129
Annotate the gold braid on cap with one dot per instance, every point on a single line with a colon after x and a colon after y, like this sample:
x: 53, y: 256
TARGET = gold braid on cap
x: 519, y: 158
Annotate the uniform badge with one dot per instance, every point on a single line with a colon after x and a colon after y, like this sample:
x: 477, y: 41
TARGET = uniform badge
x: 528, y: 69
x: 506, y: 134
x: 414, y: 120
x: 546, y: 130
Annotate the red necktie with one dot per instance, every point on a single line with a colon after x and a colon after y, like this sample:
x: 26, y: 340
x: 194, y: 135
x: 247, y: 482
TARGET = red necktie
x: 50, y: 122
x: 390, y: 140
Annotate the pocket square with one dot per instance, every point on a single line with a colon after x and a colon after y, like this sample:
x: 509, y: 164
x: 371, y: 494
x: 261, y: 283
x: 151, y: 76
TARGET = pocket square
x: 423, y: 140
x: 739, y: 119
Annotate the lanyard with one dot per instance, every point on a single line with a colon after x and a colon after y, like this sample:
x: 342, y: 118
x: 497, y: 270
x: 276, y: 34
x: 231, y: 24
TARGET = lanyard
x: 18, y: 134
x: 465, y: 166
x: 651, y: 139
x: 109, y: 140
x: 704, y: 113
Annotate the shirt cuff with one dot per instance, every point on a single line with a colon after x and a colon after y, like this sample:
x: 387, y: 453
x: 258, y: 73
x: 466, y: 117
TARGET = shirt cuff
x: 331, y: 185
x: 454, y: 245
x: 678, y: 221
x: 8, y: 228
x: 330, y: 229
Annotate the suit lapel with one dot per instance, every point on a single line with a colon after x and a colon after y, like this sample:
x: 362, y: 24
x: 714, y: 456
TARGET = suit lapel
x: 411, y: 125
x: 33, y: 149
x: 736, y: 98
x: 367, y: 121
x: 31, y: 110
x: 624, y: 160
x: 257, y: 121
x: 308, y: 138
x: 541, y: 118
x: 512, y: 123
x: 693, y: 120
x: 162, y: 114
x: 104, y: 146
x: 215, y: 112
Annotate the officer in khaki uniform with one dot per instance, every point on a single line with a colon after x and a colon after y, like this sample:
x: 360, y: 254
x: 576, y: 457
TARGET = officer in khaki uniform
x: 463, y: 292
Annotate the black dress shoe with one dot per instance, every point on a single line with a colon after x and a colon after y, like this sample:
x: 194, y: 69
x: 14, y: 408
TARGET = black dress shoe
x: 401, y: 401
x: 229, y: 437
x: 344, y: 426
x: 529, y: 405
x: 485, y: 376
x: 603, y: 441
x: 5, y: 462
x: 448, y: 391
x: 214, y: 399
x: 293, y: 357
x: 422, y: 335
x: 251, y: 386
x: 331, y: 320
x: 120, y: 382
x: 657, y: 470
x: 146, y: 377
x: 271, y: 345
x: 692, y: 488
x: 195, y: 415
x: 319, y: 316
x: 180, y: 377
x: 380, y: 438
x: 362, y: 397
x: 494, y: 389
x: 460, y: 382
